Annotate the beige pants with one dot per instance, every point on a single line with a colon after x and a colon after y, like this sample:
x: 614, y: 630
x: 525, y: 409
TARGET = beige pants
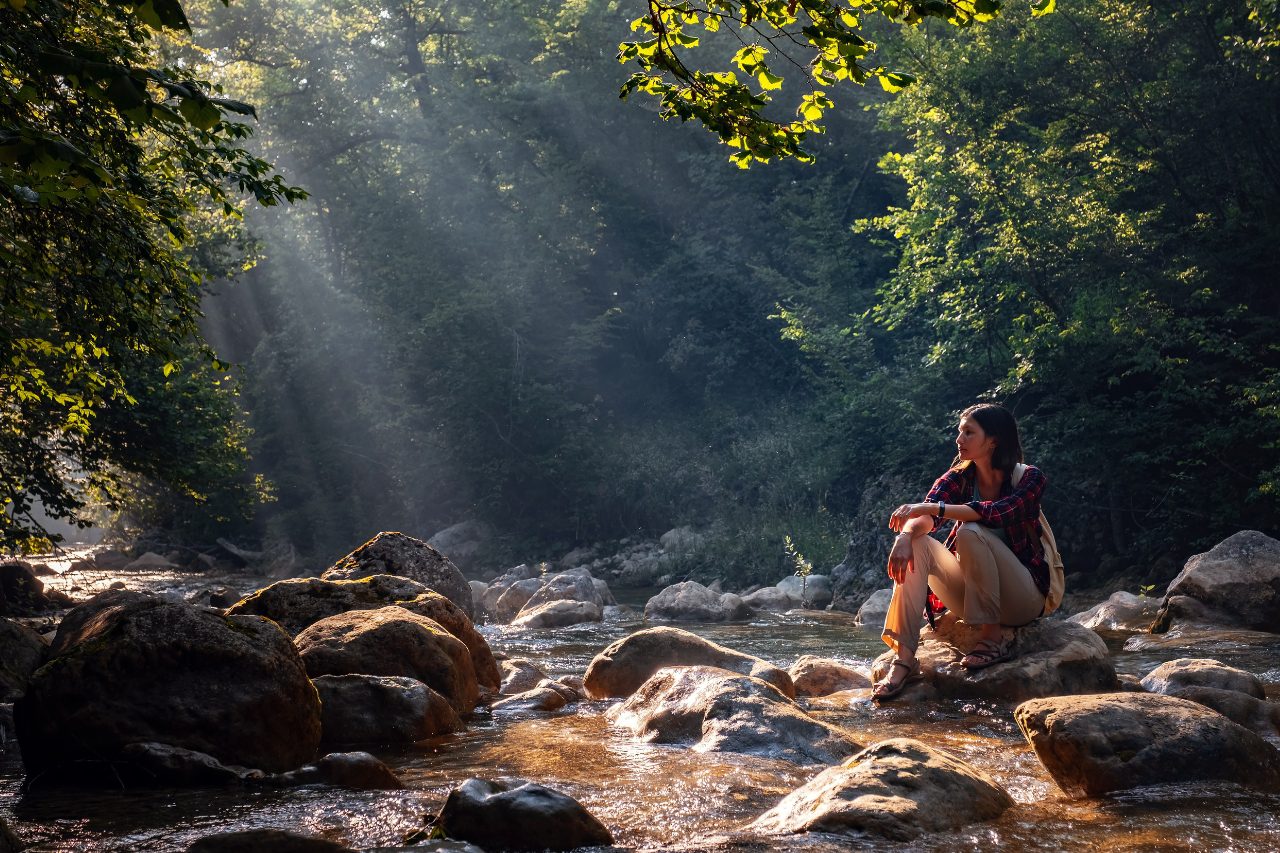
x: 983, y: 583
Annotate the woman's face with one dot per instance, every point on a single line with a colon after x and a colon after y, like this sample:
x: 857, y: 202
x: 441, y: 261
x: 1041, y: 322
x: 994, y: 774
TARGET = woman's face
x: 972, y: 443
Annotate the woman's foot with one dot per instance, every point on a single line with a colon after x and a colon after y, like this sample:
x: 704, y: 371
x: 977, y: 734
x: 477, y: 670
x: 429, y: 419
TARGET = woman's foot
x: 988, y: 652
x: 901, y: 673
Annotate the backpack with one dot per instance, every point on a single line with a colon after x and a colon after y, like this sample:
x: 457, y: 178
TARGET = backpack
x: 1057, y: 579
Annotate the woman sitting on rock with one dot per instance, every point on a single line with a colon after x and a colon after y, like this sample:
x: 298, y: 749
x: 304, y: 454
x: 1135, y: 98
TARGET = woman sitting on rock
x: 992, y: 571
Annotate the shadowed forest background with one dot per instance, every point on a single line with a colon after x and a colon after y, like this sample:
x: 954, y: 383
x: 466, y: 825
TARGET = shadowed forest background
x: 514, y: 298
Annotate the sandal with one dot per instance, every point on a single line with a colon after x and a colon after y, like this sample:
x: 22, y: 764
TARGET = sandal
x: 987, y: 653
x: 887, y: 689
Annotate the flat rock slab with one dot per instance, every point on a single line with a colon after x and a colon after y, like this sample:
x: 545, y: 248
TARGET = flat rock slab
x: 620, y: 669
x: 397, y: 554
x: 720, y: 711
x: 519, y: 815
x: 1093, y: 745
x: 896, y: 790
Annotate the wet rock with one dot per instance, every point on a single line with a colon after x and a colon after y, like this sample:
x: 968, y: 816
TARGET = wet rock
x: 568, y: 691
x: 813, y: 592
x: 162, y: 765
x: 1188, y: 639
x: 1233, y: 693
x: 392, y: 641
x: 722, y: 711
x: 872, y: 613
x: 214, y: 596
x: 503, y: 582
x: 1094, y: 745
x: 127, y: 668
x: 771, y: 600
x: 572, y: 585
x: 518, y: 815
x: 514, y: 598
x: 690, y: 601
x: 1236, y: 583
x: 620, y: 669
x: 23, y: 594
x: 896, y: 790
x: 519, y: 675
x: 1123, y: 611
x: 852, y: 581
x: 538, y: 699
x: 557, y: 614
x: 382, y: 709
x: 150, y: 561
x: 815, y: 676
x: 265, y: 841
x: 357, y: 770
x: 398, y: 554
x: 1052, y: 657
x: 22, y: 651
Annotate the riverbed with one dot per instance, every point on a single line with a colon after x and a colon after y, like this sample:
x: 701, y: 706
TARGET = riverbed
x: 655, y: 797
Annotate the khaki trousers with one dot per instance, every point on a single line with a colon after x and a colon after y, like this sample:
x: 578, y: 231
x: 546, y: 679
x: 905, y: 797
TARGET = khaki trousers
x: 982, y: 582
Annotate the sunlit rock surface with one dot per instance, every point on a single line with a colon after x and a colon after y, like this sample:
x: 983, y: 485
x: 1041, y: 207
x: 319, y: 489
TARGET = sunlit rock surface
x: 1123, y: 611
x: 1236, y: 583
x: 1093, y: 745
x: 358, y: 770
x: 1052, y: 657
x: 21, y: 653
x: 382, y: 709
x: 813, y: 591
x: 690, y: 601
x: 398, y: 554
x: 896, y: 790
x: 1234, y: 693
x: 128, y: 667
x: 499, y: 586
x: 621, y: 668
x: 519, y: 675
x: 771, y: 599
x: 719, y: 711
x: 536, y: 699
x: 572, y: 585
x: 557, y: 614
x: 519, y: 815
x: 392, y: 641
x: 815, y: 676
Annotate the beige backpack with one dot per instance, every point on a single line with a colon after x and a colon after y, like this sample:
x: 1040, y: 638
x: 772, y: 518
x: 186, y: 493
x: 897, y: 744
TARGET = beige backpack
x: 1057, y: 579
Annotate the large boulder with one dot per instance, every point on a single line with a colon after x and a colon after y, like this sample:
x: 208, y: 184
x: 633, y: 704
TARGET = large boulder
x: 23, y: 594
x: 620, y: 669
x: 503, y: 582
x: 1123, y: 611
x: 392, y: 641
x: 557, y: 614
x: 398, y: 554
x: 872, y: 613
x: 1234, y: 693
x: 722, y: 711
x: 298, y: 603
x: 21, y: 653
x: 519, y: 815
x: 1235, y: 583
x: 815, y: 676
x: 771, y: 599
x: 1094, y: 745
x: 896, y: 790
x: 519, y: 675
x: 813, y: 591
x: 129, y: 668
x: 572, y: 585
x: 382, y: 709
x: 1052, y: 657
x: 513, y: 599
x: 690, y: 601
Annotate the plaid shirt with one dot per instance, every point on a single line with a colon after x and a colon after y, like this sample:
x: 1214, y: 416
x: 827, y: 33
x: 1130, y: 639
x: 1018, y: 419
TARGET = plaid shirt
x: 1016, y: 510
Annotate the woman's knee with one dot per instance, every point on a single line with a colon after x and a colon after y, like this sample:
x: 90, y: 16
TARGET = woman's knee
x: 969, y: 535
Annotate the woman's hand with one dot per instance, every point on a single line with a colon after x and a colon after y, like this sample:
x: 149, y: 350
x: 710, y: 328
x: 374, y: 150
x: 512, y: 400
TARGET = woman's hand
x: 906, y: 512
x: 900, y: 561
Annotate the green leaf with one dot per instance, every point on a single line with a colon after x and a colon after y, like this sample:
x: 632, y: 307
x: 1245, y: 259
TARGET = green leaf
x: 768, y: 80
x: 200, y: 113
x: 896, y: 81
x: 1043, y: 7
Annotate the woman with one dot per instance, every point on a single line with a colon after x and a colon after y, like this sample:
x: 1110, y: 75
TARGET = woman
x: 992, y: 571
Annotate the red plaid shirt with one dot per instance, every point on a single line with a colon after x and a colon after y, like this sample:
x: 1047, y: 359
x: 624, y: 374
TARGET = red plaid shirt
x: 1016, y: 510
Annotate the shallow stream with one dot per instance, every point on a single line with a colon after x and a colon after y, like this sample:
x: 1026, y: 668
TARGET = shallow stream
x: 667, y: 797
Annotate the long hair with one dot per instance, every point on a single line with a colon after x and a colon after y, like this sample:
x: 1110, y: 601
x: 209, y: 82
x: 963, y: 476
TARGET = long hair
x: 998, y: 423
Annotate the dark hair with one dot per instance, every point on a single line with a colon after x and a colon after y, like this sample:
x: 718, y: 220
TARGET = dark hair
x: 998, y: 423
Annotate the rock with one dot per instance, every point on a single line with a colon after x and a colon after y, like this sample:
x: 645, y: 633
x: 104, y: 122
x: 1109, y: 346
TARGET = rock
x: 519, y: 675
x: 896, y: 790
x: 872, y: 613
x: 620, y: 669
x: 127, y: 668
x: 382, y: 709
x: 503, y: 582
x: 568, y: 691
x: 9, y: 842
x: 1171, y: 676
x: 519, y: 815
x: 398, y: 554
x: 572, y: 585
x: 604, y: 593
x: 537, y: 699
x: 358, y: 770
x: 150, y: 561
x: 23, y: 594
x: 1123, y: 611
x: 723, y: 711
x: 242, y: 556
x: 478, y: 589
x: 265, y: 841
x: 1236, y: 583
x: 557, y: 614
x: 1094, y: 745
x: 462, y: 542
x: 771, y: 600
x: 514, y: 598
x: 1052, y: 657
x: 681, y: 541
x: 577, y: 557
x: 298, y: 603
x: 214, y: 596
x: 815, y: 676
x: 111, y: 560
x: 813, y: 592
x: 172, y: 766
x: 6, y: 724
x: 392, y: 641
x: 41, y: 570
x: 690, y: 601
x: 21, y: 653
x: 852, y: 581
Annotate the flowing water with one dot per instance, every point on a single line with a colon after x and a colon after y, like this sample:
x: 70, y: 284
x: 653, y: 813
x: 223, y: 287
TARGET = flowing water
x: 668, y: 797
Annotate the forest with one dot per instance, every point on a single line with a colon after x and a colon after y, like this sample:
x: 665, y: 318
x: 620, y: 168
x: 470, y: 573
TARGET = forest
x: 289, y: 271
